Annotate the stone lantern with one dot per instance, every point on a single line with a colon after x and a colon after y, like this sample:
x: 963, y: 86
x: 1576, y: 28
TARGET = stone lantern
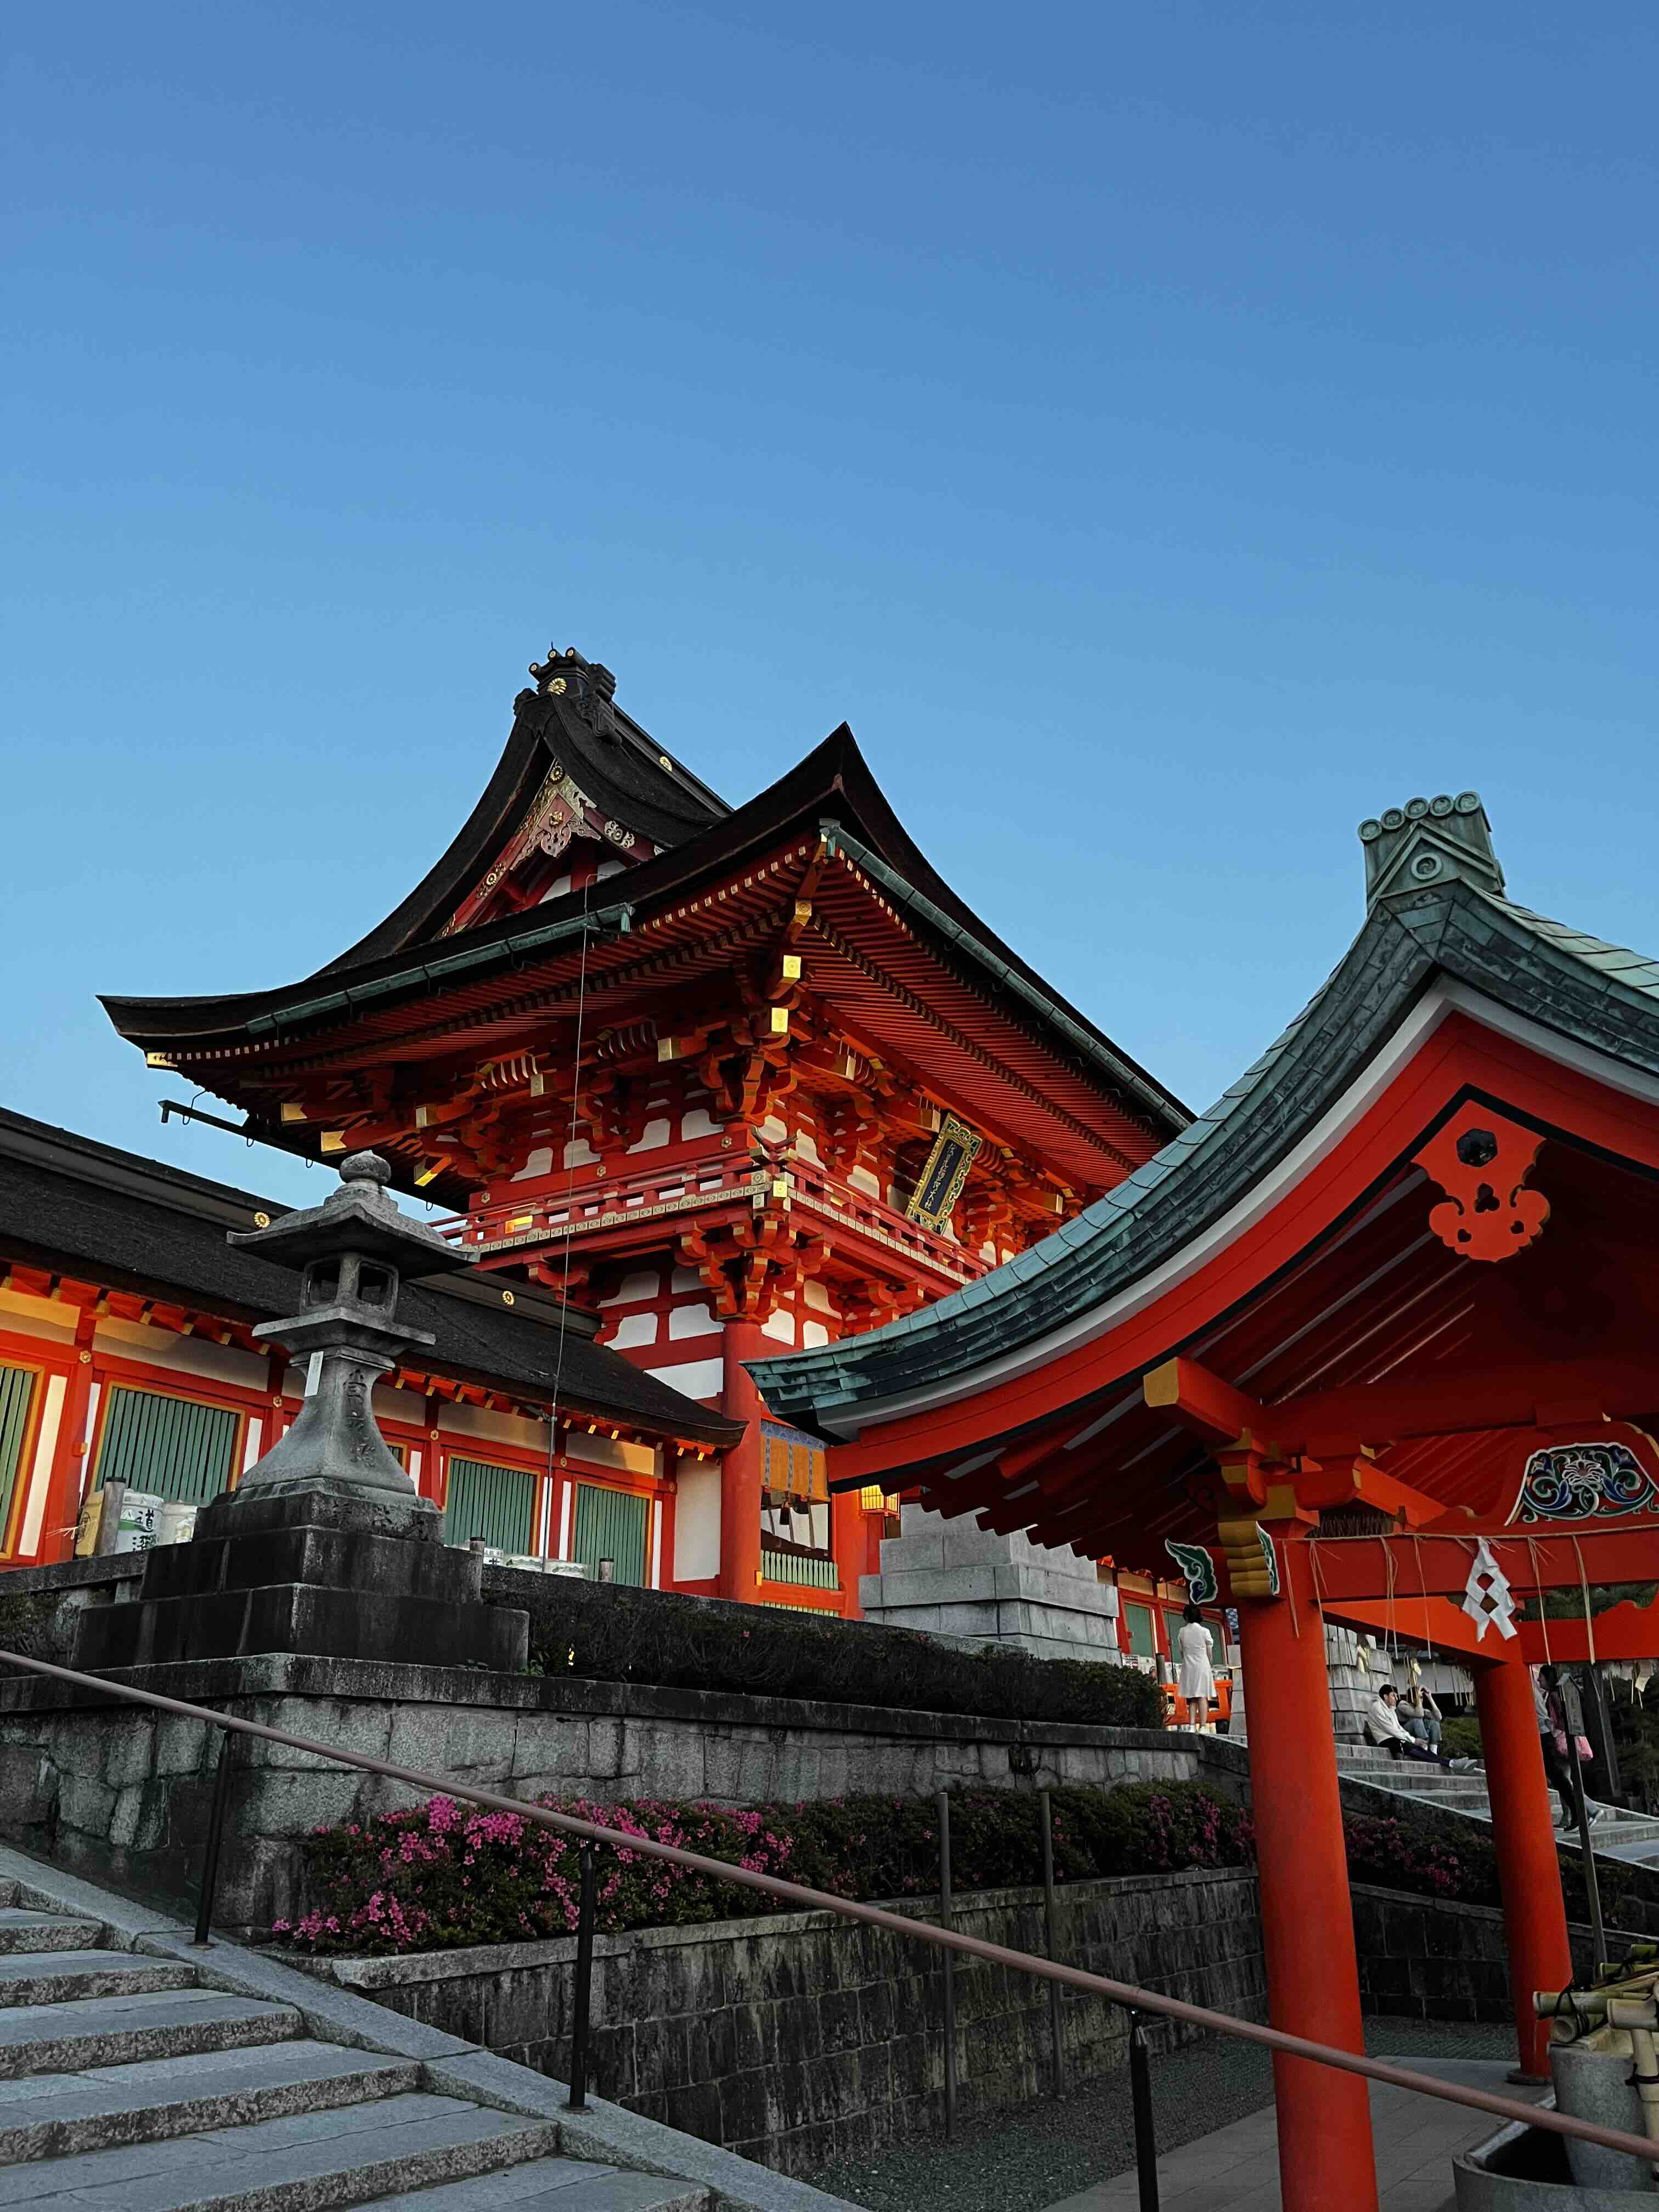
x: 352, y: 1251
x: 324, y: 1548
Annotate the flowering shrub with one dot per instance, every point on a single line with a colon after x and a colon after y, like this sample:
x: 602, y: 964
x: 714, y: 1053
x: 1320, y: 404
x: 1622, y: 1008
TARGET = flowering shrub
x: 437, y: 1876
x: 1394, y: 1855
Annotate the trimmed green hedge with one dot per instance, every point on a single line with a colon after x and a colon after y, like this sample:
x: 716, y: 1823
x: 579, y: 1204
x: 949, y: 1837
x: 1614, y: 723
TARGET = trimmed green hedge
x: 610, y: 1632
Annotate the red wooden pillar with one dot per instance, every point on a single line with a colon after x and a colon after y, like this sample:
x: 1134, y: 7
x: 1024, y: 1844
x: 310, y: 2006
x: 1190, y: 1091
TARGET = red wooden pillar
x: 849, y: 1542
x: 1325, y: 2154
x: 1529, y: 1870
x: 740, y: 1470
x: 667, y: 1506
x: 67, y: 1478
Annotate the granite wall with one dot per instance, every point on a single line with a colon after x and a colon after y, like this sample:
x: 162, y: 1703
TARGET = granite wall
x: 804, y: 2037
x: 1427, y: 1959
x: 121, y: 1793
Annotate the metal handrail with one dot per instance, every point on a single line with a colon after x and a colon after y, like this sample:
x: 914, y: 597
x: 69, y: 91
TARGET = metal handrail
x: 875, y: 1916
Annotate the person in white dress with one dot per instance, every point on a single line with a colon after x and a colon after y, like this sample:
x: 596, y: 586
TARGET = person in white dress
x: 1197, y: 1667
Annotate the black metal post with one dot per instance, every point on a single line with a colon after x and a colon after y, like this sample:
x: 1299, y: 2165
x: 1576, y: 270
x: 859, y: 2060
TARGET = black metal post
x: 587, y: 1912
x: 215, y: 1837
x: 1048, y: 1935
x: 1140, y: 2094
x: 1600, y: 1732
x: 1586, y: 1848
x: 950, y: 1963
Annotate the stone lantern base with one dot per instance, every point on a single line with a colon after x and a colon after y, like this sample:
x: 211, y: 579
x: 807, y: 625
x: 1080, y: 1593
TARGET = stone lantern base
x: 336, y: 1577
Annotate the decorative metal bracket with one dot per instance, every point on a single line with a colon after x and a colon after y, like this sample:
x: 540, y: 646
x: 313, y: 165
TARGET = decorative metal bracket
x: 1481, y: 1161
x: 1197, y: 1569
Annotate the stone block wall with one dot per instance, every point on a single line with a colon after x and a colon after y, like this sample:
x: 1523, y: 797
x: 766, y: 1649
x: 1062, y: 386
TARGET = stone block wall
x: 121, y: 1793
x: 1427, y: 1959
x: 951, y: 1578
x: 801, y: 2038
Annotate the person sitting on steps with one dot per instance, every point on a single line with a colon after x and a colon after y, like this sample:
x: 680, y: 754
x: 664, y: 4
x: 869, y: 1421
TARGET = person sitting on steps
x: 1383, y: 1726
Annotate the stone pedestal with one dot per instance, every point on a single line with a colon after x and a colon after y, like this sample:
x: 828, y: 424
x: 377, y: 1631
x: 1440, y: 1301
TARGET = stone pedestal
x: 339, y: 1578
x: 955, y: 1579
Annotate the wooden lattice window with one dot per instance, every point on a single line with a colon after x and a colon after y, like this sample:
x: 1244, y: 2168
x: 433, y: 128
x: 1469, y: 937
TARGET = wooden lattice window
x: 16, y: 1402
x: 1143, y: 1636
x: 610, y: 1524
x: 174, y: 1448
x: 497, y: 1504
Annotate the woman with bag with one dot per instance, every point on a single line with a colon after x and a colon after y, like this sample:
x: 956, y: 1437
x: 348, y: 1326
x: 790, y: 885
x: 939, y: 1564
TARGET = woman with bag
x: 1561, y: 1717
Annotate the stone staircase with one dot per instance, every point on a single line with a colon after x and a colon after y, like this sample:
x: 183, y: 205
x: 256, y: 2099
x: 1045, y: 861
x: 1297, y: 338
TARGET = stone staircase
x: 127, y: 2082
x: 1617, y: 1834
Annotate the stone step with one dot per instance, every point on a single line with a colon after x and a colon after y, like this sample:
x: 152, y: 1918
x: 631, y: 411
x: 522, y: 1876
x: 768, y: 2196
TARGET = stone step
x: 556, y: 2184
x: 112, y: 2030
x: 310, y: 2162
x: 39, y: 1977
x: 49, y: 2116
x: 23, y: 1929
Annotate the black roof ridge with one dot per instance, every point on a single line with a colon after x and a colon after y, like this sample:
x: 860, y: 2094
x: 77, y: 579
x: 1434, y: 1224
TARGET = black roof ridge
x: 139, y: 1175
x: 834, y: 775
x: 470, y: 1319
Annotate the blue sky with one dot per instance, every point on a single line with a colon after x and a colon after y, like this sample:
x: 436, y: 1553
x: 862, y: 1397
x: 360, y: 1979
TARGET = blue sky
x: 1166, y: 435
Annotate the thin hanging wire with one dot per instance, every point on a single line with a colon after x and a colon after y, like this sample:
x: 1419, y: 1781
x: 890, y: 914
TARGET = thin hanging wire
x: 569, y: 1214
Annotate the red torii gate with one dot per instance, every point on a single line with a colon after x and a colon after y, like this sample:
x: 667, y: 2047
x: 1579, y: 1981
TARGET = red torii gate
x: 1400, y: 1279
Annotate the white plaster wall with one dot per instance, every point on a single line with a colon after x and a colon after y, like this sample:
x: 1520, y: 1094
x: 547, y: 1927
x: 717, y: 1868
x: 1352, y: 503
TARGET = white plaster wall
x: 463, y: 1423
x: 633, y: 1329
x: 695, y: 1378
x: 697, y: 1521
x: 184, y: 1355
x: 697, y: 1319
x: 611, y: 1451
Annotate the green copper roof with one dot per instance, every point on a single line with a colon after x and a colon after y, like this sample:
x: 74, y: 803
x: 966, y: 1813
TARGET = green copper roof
x: 1453, y: 923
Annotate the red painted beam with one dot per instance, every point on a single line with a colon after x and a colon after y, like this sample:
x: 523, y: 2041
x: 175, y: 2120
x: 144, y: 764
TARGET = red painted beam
x: 1434, y: 1620
x: 1624, y: 1631
x: 1526, y: 1397
x: 1425, y: 1564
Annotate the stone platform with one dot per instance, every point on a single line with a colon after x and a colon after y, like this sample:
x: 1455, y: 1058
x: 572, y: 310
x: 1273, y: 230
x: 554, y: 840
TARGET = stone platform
x: 952, y: 1579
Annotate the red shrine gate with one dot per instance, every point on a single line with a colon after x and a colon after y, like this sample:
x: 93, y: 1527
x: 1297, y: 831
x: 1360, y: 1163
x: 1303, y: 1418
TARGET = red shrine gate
x: 1391, y: 1301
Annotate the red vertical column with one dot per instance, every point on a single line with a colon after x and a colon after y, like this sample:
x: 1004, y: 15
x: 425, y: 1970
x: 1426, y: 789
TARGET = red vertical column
x: 67, y: 1477
x: 667, y: 1502
x: 740, y: 1470
x: 1529, y: 1869
x: 850, y: 1545
x: 1325, y: 2152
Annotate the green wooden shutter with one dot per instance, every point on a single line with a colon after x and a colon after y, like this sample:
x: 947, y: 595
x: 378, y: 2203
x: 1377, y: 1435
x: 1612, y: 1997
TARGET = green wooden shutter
x: 171, y: 1447
x: 789, y: 1567
x: 494, y: 1502
x: 1143, y: 1637
x: 611, y: 1525
x: 16, y: 1396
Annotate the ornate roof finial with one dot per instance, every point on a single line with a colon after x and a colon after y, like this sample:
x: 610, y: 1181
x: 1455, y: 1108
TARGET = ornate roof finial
x: 1429, y: 841
x: 365, y: 1167
x: 586, y: 685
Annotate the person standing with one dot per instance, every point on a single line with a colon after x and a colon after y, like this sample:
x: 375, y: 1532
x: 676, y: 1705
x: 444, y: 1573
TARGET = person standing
x: 1555, y: 1696
x: 1197, y: 1682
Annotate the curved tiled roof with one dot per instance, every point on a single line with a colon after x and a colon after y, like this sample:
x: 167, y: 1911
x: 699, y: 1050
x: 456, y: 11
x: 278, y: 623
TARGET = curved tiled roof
x: 77, y: 1207
x: 1600, y: 995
